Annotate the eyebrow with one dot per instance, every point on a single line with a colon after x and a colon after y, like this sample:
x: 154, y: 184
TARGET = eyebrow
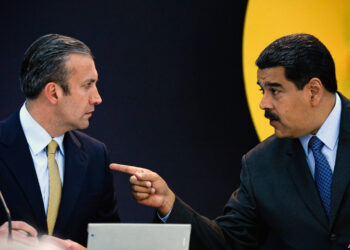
x: 91, y: 80
x: 272, y: 84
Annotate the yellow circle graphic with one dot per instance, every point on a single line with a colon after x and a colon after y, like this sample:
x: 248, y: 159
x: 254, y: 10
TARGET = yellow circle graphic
x: 267, y: 20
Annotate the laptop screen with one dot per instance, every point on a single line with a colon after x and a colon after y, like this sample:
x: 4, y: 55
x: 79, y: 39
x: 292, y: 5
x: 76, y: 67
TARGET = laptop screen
x: 138, y: 236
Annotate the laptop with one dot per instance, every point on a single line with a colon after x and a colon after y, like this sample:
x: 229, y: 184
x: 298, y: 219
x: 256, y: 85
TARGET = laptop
x: 129, y: 236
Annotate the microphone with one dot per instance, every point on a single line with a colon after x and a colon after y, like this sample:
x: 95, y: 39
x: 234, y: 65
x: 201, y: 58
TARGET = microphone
x: 7, y: 211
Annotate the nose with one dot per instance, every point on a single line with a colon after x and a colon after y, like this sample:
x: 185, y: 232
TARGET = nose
x: 95, y: 98
x: 265, y: 102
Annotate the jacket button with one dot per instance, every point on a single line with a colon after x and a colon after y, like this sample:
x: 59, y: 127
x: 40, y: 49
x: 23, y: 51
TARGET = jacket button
x: 333, y: 237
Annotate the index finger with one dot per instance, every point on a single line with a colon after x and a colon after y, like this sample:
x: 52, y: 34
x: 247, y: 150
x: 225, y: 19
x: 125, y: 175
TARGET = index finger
x: 125, y: 168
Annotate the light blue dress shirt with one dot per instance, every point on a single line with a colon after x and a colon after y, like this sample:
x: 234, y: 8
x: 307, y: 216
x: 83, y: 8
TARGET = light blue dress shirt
x: 38, y: 139
x: 329, y: 135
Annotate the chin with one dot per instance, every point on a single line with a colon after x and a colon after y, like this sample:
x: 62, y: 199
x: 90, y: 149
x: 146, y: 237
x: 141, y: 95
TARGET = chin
x: 84, y: 125
x: 280, y: 134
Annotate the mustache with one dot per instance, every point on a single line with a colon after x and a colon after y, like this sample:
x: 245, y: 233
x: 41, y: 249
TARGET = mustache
x: 271, y: 116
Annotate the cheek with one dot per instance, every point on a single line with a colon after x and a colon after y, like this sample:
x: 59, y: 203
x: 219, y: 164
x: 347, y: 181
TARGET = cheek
x: 286, y: 113
x: 72, y: 109
x: 77, y: 105
x: 297, y: 116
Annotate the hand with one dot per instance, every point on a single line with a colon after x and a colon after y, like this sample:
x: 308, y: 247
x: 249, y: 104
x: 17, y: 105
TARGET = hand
x: 21, y: 232
x: 148, y: 188
x: 64, y: 244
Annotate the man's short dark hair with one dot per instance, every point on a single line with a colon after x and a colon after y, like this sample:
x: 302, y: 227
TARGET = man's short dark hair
x: 44, y: 62
x: 303, y: 56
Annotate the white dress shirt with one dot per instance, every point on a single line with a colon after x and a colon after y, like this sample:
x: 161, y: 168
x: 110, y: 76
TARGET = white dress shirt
x: 38, y: 139
x: 329, y: 135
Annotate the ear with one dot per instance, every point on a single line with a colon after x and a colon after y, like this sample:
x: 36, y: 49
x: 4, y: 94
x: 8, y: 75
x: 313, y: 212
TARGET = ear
x: 316, y: 91
x: 52, y: 92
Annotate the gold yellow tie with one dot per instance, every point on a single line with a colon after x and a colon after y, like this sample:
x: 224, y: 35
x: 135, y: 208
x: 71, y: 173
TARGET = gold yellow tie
x: 54, y: 186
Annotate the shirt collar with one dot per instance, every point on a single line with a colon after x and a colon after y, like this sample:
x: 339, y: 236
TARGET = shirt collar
x: 329, y: 131
x: 37, y: 137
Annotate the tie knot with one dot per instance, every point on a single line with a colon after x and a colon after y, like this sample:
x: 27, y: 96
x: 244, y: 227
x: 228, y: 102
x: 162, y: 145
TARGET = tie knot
x: 52, y: 147
x: 315, y: 143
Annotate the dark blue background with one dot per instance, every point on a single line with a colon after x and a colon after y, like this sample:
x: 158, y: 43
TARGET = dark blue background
x: 171, y: 82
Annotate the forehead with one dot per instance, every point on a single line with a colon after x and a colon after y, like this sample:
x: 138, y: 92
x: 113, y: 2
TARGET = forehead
x: 272, y: 75
x: 80, y: 64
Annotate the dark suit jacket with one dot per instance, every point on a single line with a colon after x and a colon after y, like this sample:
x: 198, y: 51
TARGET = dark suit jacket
x: 88, y: 191
x: 277, y: 195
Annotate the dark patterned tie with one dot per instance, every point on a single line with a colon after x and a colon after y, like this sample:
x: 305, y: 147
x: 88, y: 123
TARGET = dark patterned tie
x: 323, y: 173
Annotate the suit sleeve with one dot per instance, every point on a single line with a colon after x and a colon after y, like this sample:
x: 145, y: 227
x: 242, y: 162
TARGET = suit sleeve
x: 238, y: 228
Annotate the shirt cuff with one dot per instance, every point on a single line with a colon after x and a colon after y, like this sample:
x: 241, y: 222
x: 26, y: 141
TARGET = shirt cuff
x: 165, y: 218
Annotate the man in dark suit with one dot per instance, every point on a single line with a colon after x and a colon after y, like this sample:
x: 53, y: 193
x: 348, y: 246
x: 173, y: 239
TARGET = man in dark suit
x: 53, y: 177
x: 295, y: 184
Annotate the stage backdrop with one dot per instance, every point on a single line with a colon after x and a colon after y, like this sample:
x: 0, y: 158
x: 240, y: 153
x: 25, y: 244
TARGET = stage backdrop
x: 170, y: 76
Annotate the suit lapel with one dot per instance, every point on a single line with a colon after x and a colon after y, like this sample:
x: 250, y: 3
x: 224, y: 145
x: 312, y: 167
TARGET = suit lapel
x: 303, y: 181
x: 341, y: 175
x: 17, y: 158
x: 76, y: 161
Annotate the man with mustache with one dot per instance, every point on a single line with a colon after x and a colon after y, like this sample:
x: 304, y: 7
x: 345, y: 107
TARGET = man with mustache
x: 53, y: 177
x: 295, y: 184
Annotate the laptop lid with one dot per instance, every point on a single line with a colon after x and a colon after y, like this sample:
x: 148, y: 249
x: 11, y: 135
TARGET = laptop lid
x: 138, y: 236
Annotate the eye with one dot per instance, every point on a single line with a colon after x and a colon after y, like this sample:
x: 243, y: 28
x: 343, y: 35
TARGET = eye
x: 88, y: 84
x: 275, y: 91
